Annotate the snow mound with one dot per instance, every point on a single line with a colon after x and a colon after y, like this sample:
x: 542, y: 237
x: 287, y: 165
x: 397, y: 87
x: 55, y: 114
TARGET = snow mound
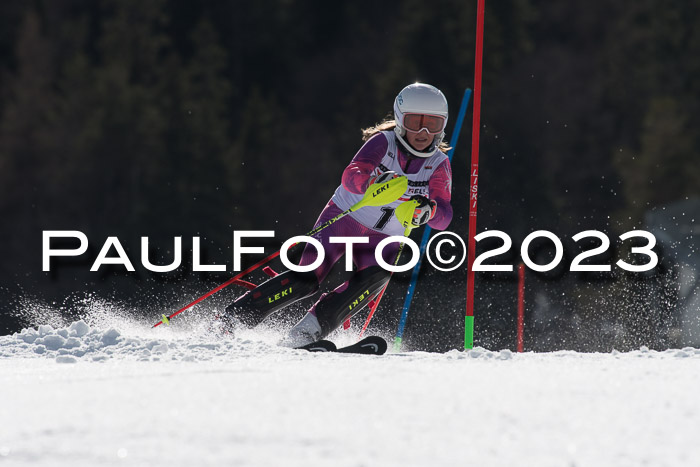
x: 80, y: 342
x: 480, y: 352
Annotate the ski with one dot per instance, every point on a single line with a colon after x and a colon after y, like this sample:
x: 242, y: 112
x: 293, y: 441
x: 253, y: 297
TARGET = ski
x: 320, y: 346
x: 371, y: 345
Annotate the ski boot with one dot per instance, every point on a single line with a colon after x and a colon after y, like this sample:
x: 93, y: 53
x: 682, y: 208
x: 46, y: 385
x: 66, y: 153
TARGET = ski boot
x: 334, y: 308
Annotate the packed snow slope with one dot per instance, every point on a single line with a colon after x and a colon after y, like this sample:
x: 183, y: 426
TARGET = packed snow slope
x: 91, y: 396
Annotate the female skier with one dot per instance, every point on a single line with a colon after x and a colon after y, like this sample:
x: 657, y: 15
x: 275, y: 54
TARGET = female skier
x: 410, y: 145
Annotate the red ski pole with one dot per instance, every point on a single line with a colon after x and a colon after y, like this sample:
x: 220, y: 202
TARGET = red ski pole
x: 376, y: 195
x: 372, y: 307
x: 236, y: 278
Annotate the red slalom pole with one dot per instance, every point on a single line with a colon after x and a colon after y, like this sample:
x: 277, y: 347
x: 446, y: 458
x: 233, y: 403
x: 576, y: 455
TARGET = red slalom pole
x: 474, y: 176
x: 521, y: 305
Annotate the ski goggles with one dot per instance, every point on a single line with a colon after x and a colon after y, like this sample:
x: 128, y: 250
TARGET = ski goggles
x: 416, y: 122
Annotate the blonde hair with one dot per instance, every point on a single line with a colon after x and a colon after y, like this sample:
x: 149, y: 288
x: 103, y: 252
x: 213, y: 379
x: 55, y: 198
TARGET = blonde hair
x: 389, y: 124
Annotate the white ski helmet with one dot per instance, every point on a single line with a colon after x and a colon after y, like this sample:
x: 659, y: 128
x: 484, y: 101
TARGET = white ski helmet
x: 423, y: 99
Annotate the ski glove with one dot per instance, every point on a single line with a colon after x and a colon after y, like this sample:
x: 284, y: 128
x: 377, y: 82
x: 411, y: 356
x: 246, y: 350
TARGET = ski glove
x: 424, y: 211
x: 381, y: 178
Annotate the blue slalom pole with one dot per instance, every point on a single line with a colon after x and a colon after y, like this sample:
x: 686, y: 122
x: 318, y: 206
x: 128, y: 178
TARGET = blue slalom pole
x: 426, y: 233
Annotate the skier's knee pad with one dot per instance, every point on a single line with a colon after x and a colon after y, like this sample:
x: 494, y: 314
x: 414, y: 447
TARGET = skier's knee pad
x: 272, y: 295
x: 333, y: 309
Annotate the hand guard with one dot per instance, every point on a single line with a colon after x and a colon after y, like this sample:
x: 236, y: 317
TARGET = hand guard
x: 381, y: 178
x: 424, y: 211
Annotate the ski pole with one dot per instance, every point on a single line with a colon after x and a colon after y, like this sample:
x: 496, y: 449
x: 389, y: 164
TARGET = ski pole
x: 377, y: 194
x: 426, y: 232
x: 404, y: 213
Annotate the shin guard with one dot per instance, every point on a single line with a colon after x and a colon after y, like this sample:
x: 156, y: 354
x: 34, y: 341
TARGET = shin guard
x: 270, y: 296
x: 345, y: 301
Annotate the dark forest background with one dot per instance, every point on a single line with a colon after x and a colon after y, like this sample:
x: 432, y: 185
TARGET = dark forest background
x: 167, y: 118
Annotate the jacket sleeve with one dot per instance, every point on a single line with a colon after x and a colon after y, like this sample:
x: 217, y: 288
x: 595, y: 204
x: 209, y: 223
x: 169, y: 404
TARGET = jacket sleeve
x: 440, y: 186
x: 356, y: 175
